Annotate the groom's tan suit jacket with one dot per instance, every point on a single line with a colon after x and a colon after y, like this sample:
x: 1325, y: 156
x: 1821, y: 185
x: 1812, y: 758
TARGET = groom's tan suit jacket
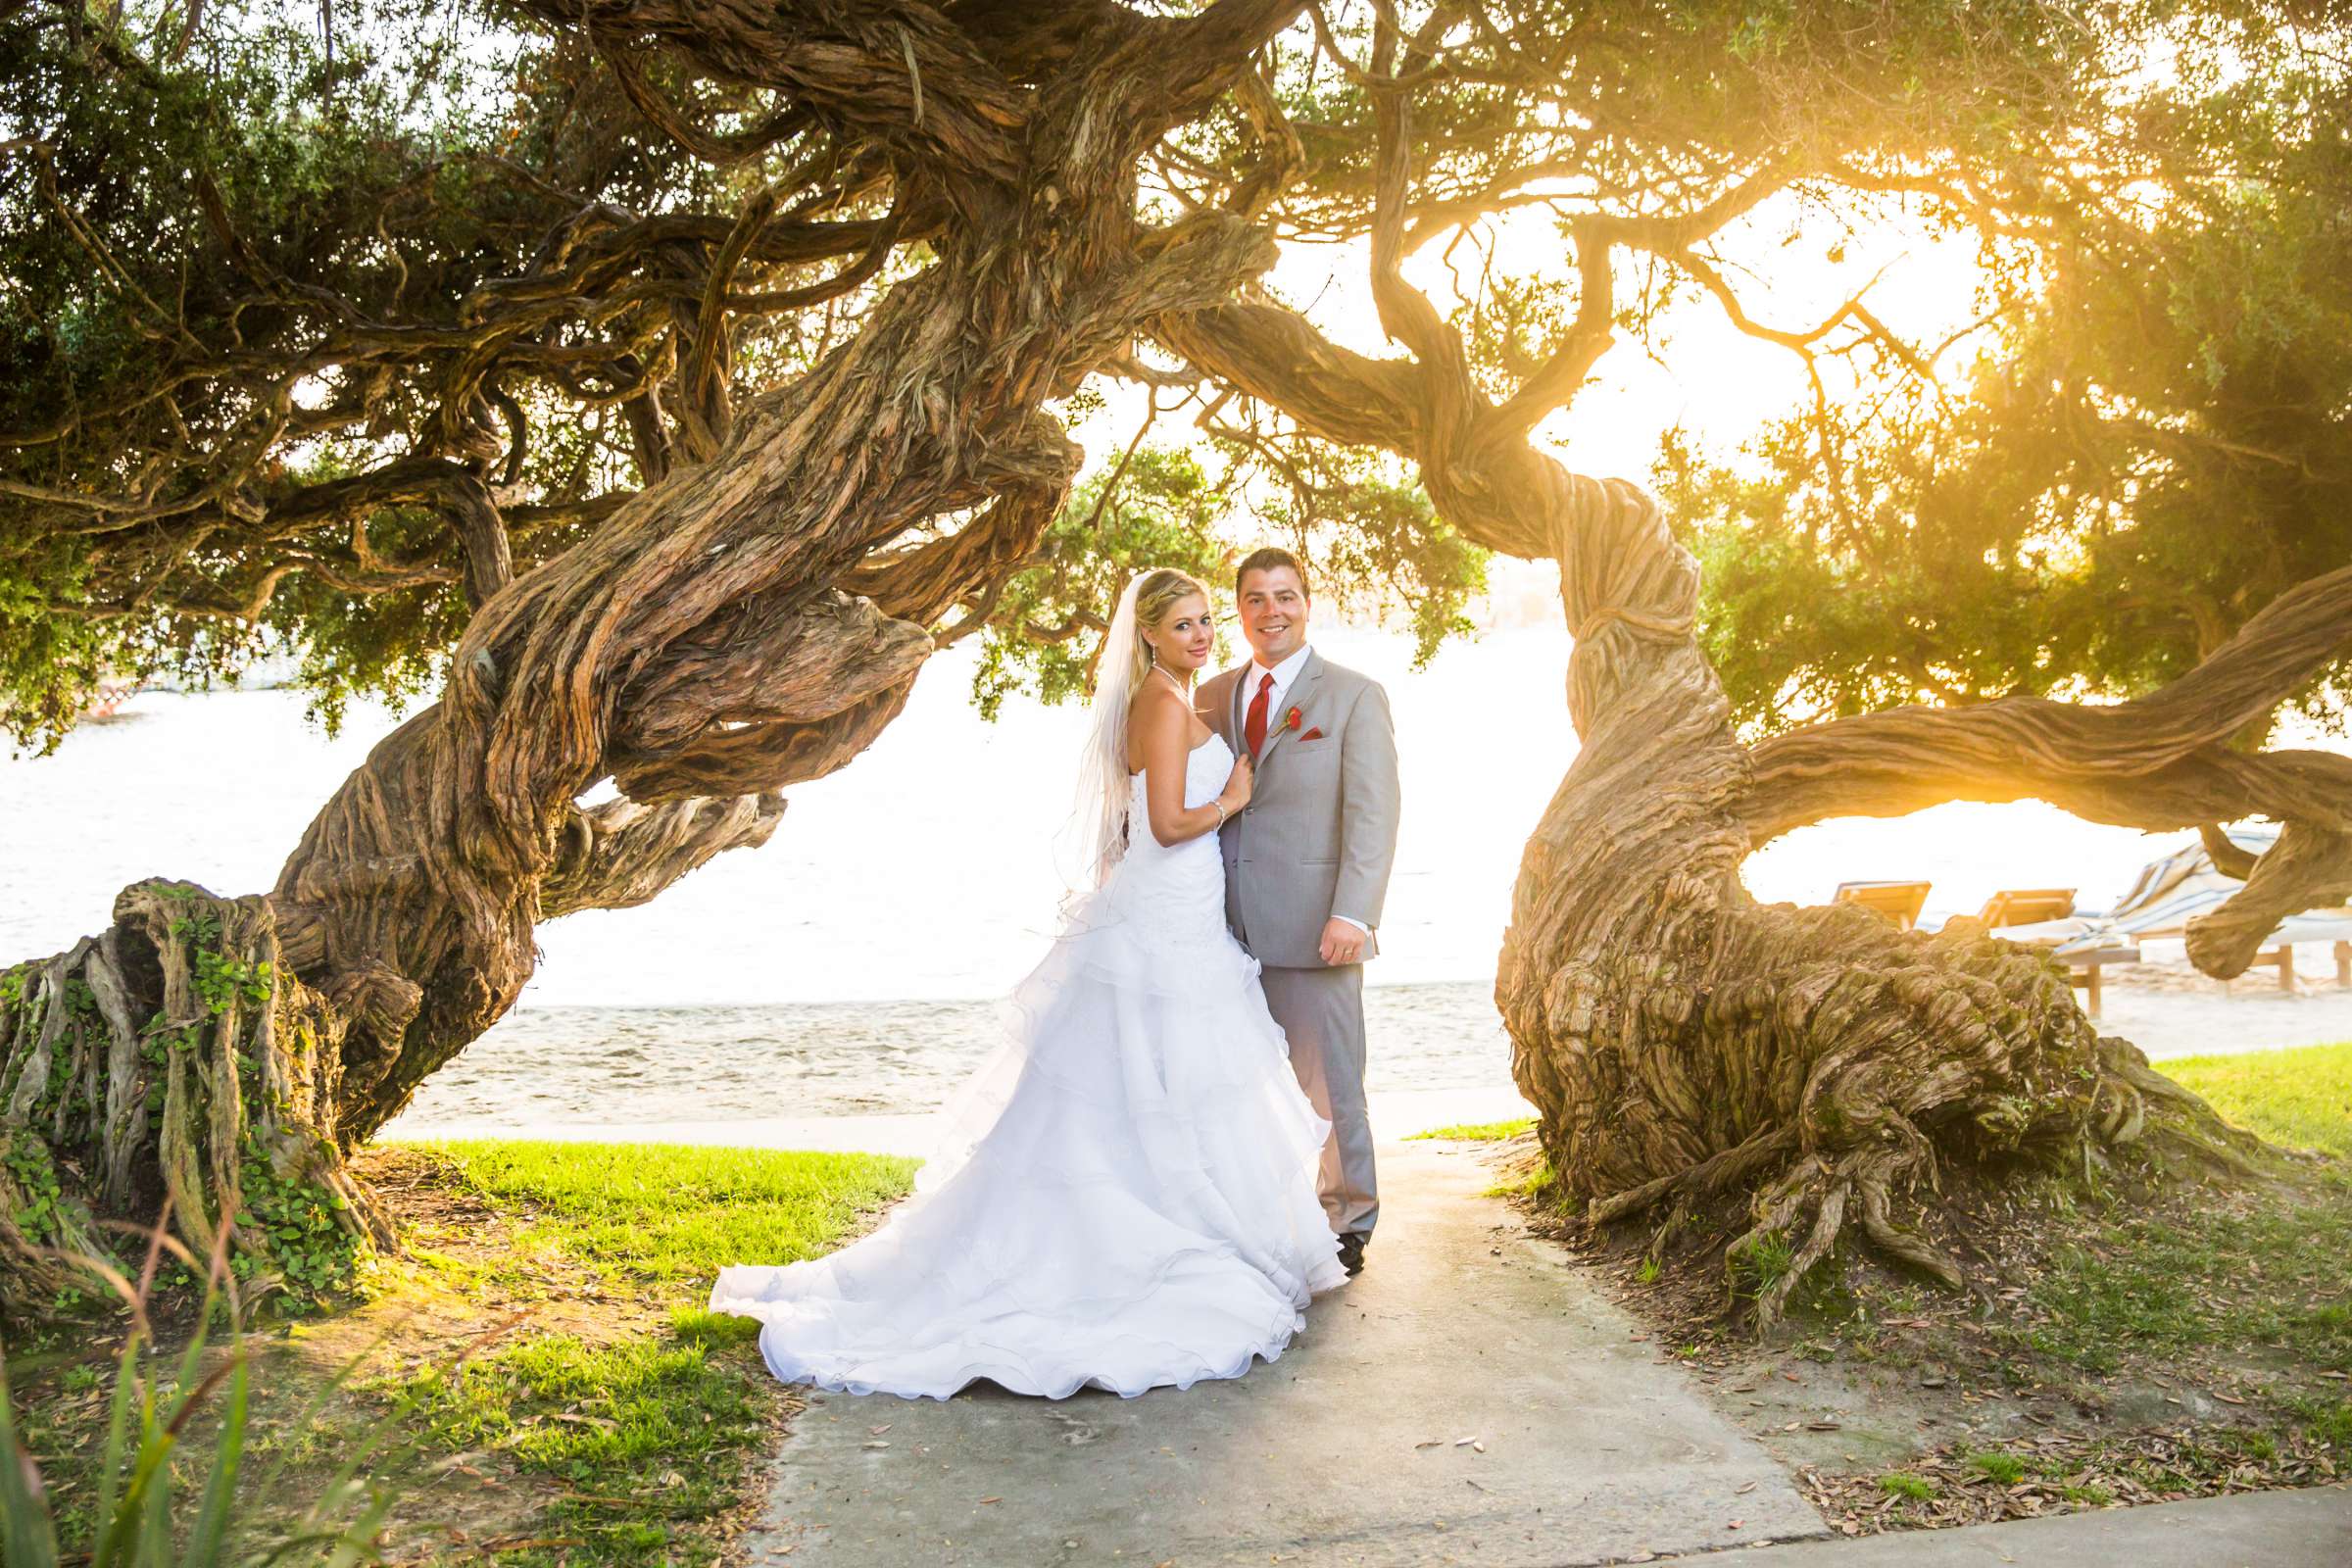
x: 1318, y: 837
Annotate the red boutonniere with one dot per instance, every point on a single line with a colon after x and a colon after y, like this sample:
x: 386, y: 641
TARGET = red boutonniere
x: 1290, y: 720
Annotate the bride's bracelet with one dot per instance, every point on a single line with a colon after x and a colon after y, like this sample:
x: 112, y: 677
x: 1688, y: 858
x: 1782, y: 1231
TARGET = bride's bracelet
x: 1219, y: 803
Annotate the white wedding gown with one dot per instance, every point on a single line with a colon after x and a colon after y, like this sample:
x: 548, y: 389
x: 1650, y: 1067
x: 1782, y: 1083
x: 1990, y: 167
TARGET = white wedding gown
x: 1126, y: 1194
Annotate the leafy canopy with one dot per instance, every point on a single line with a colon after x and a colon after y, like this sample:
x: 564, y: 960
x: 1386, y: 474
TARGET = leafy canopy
x: 2148, y: 440
x: 316, y: 327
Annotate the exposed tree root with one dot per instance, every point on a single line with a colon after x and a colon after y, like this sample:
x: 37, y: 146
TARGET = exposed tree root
x: 1836, y: 1065
x: 173, y: 1061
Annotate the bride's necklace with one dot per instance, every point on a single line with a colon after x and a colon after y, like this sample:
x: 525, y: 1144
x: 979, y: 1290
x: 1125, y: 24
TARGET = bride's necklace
x: 1173, y: 681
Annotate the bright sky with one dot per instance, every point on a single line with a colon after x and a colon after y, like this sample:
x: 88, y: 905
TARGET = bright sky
x: 1707, y: 377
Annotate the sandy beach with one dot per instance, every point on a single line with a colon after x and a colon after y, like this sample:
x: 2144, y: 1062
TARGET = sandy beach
x: 2165, y: 1009
x: 2168, y: 1009
x: 1396, y: 1114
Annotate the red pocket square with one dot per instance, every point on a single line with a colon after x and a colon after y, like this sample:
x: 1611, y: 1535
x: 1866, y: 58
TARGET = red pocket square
x: 1310, y: 735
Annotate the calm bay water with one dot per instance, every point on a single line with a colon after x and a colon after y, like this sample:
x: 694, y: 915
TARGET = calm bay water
x: 846, y: 966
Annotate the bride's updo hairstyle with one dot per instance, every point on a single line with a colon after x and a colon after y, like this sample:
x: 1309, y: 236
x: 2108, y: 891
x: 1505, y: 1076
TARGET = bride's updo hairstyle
x: 1156, y: 592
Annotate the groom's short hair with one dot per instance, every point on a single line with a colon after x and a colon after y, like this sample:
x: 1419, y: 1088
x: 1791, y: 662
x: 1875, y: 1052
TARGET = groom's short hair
x: 1266, y: 558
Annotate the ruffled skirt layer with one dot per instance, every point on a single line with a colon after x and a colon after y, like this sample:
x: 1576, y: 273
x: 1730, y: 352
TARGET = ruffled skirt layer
x: 1126, y: 1196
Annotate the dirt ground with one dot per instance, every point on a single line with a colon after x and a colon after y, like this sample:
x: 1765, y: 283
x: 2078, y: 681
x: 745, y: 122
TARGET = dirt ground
x: 2124, y: 1358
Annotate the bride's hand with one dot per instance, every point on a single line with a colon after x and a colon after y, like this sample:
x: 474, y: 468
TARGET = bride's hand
x: 1236, y: 793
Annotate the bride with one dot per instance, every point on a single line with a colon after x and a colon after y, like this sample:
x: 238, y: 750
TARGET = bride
x: 1126, y: 1196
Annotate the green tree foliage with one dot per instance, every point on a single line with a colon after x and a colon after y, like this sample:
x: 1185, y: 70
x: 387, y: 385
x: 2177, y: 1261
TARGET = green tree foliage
x: 1377, y: 547
x: 288, y: 297
x: 284, y: 292
x: 2151, y: 441
x: 1044, y: 633
x: 271, y: 296
x: 1370, y: 545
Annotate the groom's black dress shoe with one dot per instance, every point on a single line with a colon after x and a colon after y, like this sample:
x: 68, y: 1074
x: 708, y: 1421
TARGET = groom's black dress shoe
x: 1351, y: 1252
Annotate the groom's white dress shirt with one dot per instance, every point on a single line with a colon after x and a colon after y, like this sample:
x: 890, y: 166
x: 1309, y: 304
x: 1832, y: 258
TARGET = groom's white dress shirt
x: 1285, y: 675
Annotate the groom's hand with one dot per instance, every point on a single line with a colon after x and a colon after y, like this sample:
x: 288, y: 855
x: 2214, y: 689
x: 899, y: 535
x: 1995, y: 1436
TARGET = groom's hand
x: 1343, y: 942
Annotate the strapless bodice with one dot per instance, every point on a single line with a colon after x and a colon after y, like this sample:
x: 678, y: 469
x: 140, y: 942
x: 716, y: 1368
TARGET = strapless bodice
x: 1206, y: 768
x: 1177, y: 890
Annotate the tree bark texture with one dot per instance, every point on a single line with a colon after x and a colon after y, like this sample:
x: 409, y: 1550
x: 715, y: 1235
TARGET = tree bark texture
x: 172, y: 1059
x: 745, y: 623
x: 758, y: 613
x: 1693, y: 1052
x: 1688, y: 1044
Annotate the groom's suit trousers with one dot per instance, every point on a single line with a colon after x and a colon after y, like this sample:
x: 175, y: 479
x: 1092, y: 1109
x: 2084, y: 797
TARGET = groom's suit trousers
x: 1322, y: 1011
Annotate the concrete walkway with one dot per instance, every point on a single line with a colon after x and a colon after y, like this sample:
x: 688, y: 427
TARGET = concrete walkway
x: 1589, y: 1447
x: 2310, y: 1529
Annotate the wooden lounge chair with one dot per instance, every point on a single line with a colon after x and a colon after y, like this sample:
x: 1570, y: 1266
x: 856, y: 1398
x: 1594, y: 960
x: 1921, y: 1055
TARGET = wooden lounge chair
x: 2282, y: 956
x: 2083, y: 970
x: 1899, y: 902
x: 2027, y: 907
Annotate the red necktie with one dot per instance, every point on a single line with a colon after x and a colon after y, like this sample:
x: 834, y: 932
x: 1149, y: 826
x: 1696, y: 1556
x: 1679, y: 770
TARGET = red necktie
x: 1253, y: 728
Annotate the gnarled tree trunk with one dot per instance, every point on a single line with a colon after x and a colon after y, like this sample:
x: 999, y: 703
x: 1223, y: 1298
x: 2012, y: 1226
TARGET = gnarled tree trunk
x: 755, y: 618
x: 1688, y: 1044
x: 739, y: 626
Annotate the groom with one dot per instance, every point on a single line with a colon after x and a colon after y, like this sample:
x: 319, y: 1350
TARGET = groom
x: 1307, y: 862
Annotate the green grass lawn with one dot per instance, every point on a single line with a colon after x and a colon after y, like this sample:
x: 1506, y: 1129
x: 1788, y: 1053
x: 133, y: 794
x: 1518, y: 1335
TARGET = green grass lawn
x: 536, y: 1380
x: 1482, y: 1131
x: 673, y: 1215
x: 2243, y: 1272
x: 650, y: 1440
x: 2300, y: 1098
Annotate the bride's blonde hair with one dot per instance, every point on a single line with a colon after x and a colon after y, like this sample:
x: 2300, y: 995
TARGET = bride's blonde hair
x: 1096, y: 836
x: 1156, y: 592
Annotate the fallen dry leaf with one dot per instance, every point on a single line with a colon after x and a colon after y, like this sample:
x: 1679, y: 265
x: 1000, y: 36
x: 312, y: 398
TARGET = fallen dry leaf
x: 600, y: 1422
